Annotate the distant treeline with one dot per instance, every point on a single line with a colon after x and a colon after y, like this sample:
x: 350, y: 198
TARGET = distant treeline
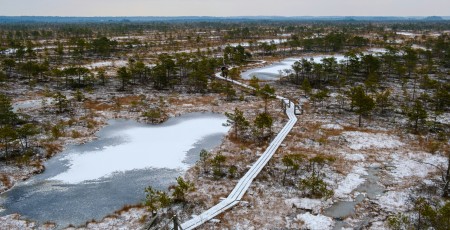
x: 55, y: 19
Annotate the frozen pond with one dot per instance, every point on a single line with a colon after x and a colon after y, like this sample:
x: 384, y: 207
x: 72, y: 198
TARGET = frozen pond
x: 246, y: 44
x: 376, y: 51
x: 407, y: 34
x: 101, y: 64
x: 92, y: 180
x: 272, y: 72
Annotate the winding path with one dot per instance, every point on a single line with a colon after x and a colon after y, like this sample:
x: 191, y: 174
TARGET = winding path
x: 244, y: 183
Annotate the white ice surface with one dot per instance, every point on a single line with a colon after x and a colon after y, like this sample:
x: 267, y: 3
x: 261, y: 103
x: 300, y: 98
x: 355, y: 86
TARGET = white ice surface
x: 247, y: 44
x: 275, y: 68
x: 119, y: 63
x: 408, y: 34
x: 146, y: 147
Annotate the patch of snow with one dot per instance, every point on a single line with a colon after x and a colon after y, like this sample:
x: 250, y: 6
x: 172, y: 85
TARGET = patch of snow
x: 318, y: 222
x: 415, y: 164
x: 419, y: 47
x: 351, y: 182
x: 378, y: 226
x: 361, y: 140
x: 408, y: 34
x: 428, y: 182
x: 274, y: 41
x: 8, y: 51
x: 444, y: 118
x: 31, y: 104
x: 305, y: 203
x: 147, y: 147
x: 332, y: 126
x: 13, y: 222
x: 393, y: 201
x: 243, y: 44
x: 125, y: 220
x: 94, y: 65
x: 377, y: 50
x: 308, y: 143
x: 434, y: 34
x: 354, y: 157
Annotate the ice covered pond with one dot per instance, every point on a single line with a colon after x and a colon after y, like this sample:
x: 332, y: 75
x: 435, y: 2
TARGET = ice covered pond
x: 272, y: 72
x: 92, y: 180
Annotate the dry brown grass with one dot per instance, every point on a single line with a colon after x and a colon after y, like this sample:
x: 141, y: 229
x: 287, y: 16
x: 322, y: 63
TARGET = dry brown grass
x: 143, y: 219
x: 52, y: 149
x: 90, y: 123
x: 293, y: 149
x: 127, y: 100
x: 92, y: 221
x: 353, y: 128
x: 111, y: 216
x: 5, y: 180
x: 197, y: 101
x: 127, y: 208
x: 341, y: 165
x: 432, y: 146
x: 238, y: 141
x: 76, y: 134
x: 332, y: 132
x: 97, y: 106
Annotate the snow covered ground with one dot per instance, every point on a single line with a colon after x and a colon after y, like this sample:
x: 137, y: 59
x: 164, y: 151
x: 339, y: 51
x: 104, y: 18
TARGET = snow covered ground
x: 377, y: 50
x: 314, y: 205
x: 416, y: 164
x: 332, y: 127
x: 316, y: 222
x: 247, y: 44
x: 394, y: 201
x: 444, y: 118
x: 13, y: 222
x: 27, y: 104
x: 351, y: 182
x: 361, y: 140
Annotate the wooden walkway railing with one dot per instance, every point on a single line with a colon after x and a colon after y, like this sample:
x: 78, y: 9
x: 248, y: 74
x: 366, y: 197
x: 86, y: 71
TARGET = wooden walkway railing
x: 244, y: 183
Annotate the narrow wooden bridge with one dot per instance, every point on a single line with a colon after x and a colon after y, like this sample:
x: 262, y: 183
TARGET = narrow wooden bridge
x: 244, y: 183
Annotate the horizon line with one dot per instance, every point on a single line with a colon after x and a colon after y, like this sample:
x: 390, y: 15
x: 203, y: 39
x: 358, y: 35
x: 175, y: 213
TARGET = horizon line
x: 79, y: 16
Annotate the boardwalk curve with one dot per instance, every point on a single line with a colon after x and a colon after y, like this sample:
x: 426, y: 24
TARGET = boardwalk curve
x: 244, y: 183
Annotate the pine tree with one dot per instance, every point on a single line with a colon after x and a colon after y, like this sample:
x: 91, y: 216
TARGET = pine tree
x: 361, y: 101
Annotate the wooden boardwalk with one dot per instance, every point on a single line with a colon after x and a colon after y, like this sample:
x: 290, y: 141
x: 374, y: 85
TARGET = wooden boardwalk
x: 244, y: 183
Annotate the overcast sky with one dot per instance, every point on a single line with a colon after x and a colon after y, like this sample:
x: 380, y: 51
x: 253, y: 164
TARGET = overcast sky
x: 225, y: 7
